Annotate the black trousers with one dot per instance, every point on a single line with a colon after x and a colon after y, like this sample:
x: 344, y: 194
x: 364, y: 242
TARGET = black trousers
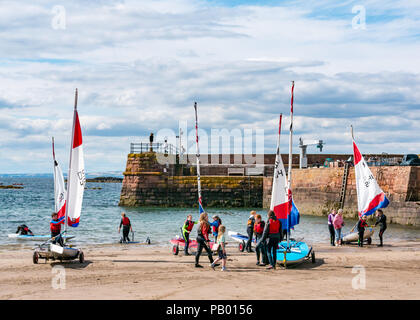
x: 332, y: 234
x: 126, y: 231
x: 250, y: 232
x: 186, y: 237
x: 361, y: 234
x: 381, y: 233
x: 261, y: 249
x: 272, y: 246
x: 201, y: 242
x: 58, y: 240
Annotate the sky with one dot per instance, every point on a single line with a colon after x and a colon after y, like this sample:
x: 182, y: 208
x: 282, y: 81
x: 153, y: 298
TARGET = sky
x: 140, y: 65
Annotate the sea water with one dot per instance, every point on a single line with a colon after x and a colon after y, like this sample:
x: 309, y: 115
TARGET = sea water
x: 101, y: 216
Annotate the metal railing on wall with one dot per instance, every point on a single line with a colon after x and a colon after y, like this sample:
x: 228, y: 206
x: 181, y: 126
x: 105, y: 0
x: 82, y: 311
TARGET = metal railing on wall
x: 158, y: 147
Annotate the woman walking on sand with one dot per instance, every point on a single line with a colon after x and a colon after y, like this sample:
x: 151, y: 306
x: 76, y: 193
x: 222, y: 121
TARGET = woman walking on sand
x: 338, y: 225
x: 221, y: 242
x: 203, y: 231
x: 331, y: 217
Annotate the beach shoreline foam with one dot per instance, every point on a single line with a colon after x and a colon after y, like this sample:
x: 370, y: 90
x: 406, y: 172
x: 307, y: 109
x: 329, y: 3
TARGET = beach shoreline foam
x: 152, y: 272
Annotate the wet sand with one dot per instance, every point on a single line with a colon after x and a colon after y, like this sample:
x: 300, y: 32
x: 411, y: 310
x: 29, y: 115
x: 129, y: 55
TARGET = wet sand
x: 152, y: 272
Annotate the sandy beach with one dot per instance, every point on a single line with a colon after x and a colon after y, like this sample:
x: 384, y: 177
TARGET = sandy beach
x: 152, y: 272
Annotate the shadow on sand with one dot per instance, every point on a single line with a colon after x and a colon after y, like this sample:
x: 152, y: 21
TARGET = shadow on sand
x: 73, y: 264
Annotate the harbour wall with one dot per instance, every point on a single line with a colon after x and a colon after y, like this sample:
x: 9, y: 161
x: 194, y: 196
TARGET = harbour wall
x: 316, y: 190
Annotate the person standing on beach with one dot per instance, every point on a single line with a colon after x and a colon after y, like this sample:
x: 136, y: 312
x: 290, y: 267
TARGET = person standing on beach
x: 203, y: 231
x: 186, y: 230
x: 338, y: 223
x: 381, y: 220
x: 221, y: 242
x: 331, y: 217
x: 126, y: 224
x: 361, y: 225
x: 250, y: 230
x: 260, y: 248
x: 271, y: 233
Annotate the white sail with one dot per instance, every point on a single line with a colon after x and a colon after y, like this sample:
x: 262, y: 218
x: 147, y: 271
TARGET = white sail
x: 279, y: 197
x: 76, y: 177
x: 370, y: 196
x: 59, y: 189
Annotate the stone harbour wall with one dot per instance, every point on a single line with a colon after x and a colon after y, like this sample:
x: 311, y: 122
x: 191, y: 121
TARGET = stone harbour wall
x: 316, y: 191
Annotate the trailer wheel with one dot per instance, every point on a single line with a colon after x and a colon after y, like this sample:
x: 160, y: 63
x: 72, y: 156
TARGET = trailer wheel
x: 175, y: 250
x: 242, y: 246
x: 313, y: 257
x: 81, y: 257
x: 369, y: 241
x: 35, y: 258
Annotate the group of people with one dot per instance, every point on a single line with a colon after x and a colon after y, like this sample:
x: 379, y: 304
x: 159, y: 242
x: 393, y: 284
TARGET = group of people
x: 336, y: 223
x: 267, y: 235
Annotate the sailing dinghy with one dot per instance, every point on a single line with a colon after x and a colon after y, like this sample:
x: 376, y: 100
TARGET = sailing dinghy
x: 290, y: 252
x: 370, y: 196
x: 68, y: 204
x: 59, y: 203
x: 179, y: 241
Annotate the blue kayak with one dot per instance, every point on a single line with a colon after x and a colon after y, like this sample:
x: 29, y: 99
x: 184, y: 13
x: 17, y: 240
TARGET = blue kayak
x: 297, y: 252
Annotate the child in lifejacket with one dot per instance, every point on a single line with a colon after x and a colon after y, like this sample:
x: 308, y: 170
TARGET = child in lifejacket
x: 215, y: 225
x: 186, y: 230
x: 272, y: 234
x: 250, y: 230
x: 260, y: 248
x: 361, y: 225
x: 126, y: 224
x: 55, y: 227
x: 221, y: 241
x: 203, y: 240
x: 24, y: 230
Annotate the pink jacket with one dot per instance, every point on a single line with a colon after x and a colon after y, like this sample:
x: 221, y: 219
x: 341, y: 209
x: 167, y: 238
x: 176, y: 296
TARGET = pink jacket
x: 338, y: 222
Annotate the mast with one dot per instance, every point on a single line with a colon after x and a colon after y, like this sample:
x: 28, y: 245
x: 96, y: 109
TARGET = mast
x: 289, y: 173
x: 71, y: 148
x: 55, y: 176
x: 200, y: 203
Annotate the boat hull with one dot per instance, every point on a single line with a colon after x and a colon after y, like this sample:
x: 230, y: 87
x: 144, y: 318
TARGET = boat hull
x: 35, y: 237
x: 298, y: 252
x: 354, y: 236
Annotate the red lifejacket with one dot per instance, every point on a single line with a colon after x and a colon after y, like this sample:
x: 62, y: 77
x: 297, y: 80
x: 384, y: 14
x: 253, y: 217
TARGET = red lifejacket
x: 189, y: 224
x: 55, y: 227
x: 274, y: 226
x: 216, y: 229
x: 125, y: 221
x: 259, y: 228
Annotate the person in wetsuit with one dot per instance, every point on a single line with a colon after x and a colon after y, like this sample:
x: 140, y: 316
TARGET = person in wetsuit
x: 272, y: 235
x: 186, y: 230
x: 381, y: 220
x: 55, y: 227
x: 250, y: 230
x: 126, y: 224
x: 203, y: 231
x: 24, y: 230
x: 361, y: 225
x: 260, y: 248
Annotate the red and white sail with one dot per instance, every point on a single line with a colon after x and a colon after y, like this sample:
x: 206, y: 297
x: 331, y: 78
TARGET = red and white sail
x: 279, y: 197
x: 370, y: 196
x: 59, y: 189
x: 76, y: 178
